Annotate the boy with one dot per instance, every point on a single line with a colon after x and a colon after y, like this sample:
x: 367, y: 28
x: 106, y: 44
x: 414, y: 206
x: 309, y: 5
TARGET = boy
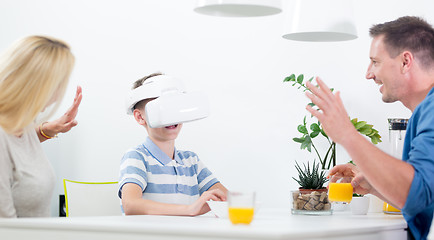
x: 155, y: 177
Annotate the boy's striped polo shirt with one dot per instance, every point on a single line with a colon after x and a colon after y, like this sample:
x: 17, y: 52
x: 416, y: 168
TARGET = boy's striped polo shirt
x: 177, y: 181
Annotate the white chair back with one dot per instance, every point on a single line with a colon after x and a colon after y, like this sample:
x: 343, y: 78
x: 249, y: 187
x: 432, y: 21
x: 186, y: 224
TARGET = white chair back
x: 91, y: 198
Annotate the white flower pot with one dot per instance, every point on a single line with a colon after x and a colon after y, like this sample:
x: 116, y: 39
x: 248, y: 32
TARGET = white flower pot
x: 375, y: 204
x: 360, y: 205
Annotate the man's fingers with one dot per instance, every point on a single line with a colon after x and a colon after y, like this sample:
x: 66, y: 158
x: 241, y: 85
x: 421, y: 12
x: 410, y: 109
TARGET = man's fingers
x: 315, y: 113
x: 321, y: 91
x: 323, y: 86
x: 316, y: 100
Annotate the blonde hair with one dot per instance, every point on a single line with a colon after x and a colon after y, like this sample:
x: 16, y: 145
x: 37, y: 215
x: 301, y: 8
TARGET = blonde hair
x: 34, y: 72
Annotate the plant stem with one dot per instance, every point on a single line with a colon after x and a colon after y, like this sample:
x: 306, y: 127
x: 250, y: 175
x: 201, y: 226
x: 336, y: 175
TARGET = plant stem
x: 317, y: 153
x: 333, y: 156
x: 326, y: 157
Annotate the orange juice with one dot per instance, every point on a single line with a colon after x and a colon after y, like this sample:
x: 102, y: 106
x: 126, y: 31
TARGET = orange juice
x: 241, y: 215
x: 340, y: 192
x: 387, y: 208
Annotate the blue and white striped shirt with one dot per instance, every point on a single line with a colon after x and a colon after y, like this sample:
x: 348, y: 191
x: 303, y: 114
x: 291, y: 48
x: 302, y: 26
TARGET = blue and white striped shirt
x: 177, y: 181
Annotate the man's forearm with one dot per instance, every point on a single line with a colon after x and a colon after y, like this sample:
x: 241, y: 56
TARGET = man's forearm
x: 390, y: 177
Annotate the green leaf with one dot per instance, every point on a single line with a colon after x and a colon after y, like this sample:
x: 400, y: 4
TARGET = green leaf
x: 367, y: 126
x: 365, y: 131
x: 354, y: 121
x: 299, y: 140
x: 315, y: 127
x: 309, y: 147
x: 304, y: 145
x: 374, y: 132
x: 360, y: 124
x: 307, y: 143
x: 302, y: 129
x: 376, y: 139
x: 314, y: 134
x: 290, y: 78
x: 310, y: 80
x: 300, y: 78
x: 324, y: 134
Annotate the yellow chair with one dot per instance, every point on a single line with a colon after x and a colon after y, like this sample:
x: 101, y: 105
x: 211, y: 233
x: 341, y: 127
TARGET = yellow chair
x: 91, y: 198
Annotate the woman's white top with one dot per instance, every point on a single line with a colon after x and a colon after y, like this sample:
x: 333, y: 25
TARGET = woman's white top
x: 26, y: 176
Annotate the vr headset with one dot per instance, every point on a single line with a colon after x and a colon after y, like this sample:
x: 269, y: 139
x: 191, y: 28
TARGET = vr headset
x: 172, y: 104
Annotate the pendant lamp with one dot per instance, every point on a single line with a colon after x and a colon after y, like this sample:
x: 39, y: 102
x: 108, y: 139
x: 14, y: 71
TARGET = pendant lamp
x: 320, y: 21
x: 238, y: 8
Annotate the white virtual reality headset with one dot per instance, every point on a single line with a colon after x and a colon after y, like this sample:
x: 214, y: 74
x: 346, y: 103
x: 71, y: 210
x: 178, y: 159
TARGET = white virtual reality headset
x: 172, y: 104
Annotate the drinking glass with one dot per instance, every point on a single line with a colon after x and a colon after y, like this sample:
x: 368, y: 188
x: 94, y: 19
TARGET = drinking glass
x: 340, y: 189
x: 241, y: 207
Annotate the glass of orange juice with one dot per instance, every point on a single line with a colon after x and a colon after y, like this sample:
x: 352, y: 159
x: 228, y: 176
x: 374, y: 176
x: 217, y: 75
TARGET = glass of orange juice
x: 241, y: 207
x: 388, y: 208
x: 340, y: 190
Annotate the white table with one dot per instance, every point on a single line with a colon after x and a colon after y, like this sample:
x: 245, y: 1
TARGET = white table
x: 268, y: 224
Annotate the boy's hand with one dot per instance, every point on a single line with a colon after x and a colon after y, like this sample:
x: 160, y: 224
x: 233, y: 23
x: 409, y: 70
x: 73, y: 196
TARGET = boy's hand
x: 200, y: 206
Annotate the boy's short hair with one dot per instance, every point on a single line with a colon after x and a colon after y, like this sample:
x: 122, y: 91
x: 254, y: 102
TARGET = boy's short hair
x: 141, y: 104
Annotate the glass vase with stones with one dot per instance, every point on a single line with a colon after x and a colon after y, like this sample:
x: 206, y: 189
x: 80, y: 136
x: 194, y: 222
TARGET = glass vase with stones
x: 311, y: 202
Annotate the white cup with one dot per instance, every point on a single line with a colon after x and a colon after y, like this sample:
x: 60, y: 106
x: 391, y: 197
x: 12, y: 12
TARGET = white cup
x: 360, y: 205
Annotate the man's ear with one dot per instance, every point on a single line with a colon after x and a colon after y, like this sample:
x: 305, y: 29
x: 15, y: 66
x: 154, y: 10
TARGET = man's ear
x: 140, y: 117
x: 407, y: 61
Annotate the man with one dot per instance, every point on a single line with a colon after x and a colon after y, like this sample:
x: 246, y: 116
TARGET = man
x: 402, y: 63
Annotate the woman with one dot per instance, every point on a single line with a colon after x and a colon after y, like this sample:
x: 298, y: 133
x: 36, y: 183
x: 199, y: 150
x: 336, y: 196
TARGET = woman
x: 34, y: 74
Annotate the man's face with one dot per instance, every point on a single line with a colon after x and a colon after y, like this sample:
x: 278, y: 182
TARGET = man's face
x: 385, y: 71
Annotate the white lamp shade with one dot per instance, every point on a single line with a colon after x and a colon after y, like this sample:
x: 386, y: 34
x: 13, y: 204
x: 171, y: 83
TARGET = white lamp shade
x: 238, y: 8
x: 320, y: 21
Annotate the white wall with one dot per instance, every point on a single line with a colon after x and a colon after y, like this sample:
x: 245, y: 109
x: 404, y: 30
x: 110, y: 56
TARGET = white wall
x: 239, y: 62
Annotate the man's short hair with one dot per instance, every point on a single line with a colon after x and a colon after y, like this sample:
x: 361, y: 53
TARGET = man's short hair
x: 409, y: 33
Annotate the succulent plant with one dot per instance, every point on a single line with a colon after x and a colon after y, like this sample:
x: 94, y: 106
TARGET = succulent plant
x: 310, y: 177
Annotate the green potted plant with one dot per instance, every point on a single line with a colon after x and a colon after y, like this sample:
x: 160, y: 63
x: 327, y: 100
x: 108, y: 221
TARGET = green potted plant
x: 310, y: 131
x: 311, y: 198
x: 327, y: 158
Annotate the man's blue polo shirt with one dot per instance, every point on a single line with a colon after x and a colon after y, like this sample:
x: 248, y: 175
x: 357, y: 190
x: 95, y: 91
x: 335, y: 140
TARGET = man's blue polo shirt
x: 419, y: 152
